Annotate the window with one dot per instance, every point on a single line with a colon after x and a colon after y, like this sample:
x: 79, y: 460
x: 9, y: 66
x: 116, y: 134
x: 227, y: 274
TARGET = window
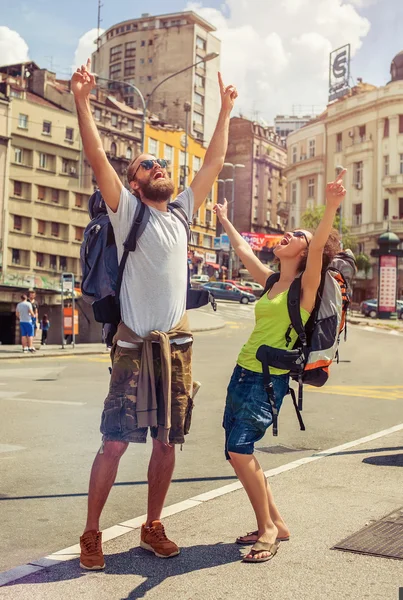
x: 69, y: 134
x: 401, y: 164
x: 17, y: 188
x: 255, y: 212
x: 113, y: 149
x: 386, y: 208
x: 17, y: 222
x: 15, y: 256
x: 53, y: 261
x: 312, y: 144
x: 198, y: 119
x: 200, y: 43
x: 114, y: 120
x: 130, y: 68
x: 41, y: 227
x: 15, y: 93
x: 200, y: 60
x: 62, y: 263
x: 294, y: 193
x: 208, y: 241
x: 23, y: 121
x: 39, y: 259
x: 142, y: 61
x: 149, y: 78
x: 142, y: 79
x: 79, y: 200
x: 311, y: 188
x: 199, y: 80
x: 199, y: 99
x: 97, y: 114
x: 55, y: 196
x: 115, y: 53
x: 130, y: 49
x: 268, y: 216
x: 129, y: 153
x: 169, y: 154
x: 386, y: 128
x: 400, y: 123
x: 208, y: 217
x: 41, y: 192
x: 150, y: 60
x: 143, y: 43
x: 130, y: 125
x: 153, y: 147
x: 55, y: 229
x: 362, y: 133
x: 357, y: 214
x: 197, y: 163
x: 18, y: 155
x: 386, y: 165
x: 79, y: 234
x: 339, y: 142
x: 194, y: 238
x: 358, y: 174
x: 65, y: 165
x: 150, y: 42
x: 115, y: 71
x: 294, y: 154
x: 47, y: 128
x: 43, y: 160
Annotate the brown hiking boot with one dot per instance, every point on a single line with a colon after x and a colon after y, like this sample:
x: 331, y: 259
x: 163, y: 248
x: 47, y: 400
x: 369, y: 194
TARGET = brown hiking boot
x: 153, y: 538
x: 91, y: 556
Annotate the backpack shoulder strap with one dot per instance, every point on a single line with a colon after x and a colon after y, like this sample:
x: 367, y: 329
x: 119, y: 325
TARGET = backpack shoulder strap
x: 180, y: 214
x: 294, y: 308
x: 271, y: 280
x: 140, y: 220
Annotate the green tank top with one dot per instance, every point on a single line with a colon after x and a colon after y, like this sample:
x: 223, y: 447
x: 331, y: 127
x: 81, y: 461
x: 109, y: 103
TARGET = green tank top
x: 272, y: 322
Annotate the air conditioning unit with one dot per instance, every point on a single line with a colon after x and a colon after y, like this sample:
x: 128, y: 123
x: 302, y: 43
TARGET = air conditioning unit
x: 351, y: 133
x: 73, y: 170
x: 358, y: 185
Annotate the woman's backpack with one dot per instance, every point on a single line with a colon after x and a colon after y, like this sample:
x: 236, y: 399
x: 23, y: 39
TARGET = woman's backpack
x: 317, y: 343
x: 102, y: 273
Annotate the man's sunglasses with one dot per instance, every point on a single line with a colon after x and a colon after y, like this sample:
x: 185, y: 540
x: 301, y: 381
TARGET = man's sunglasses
x: 300, y: 234
x: 149, y: 163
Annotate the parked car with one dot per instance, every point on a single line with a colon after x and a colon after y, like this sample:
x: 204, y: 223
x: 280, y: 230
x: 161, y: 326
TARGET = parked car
x: 253, y: 287
x: 227, y: 291
x: 238, y: 284
x: 196, y: 281
x: 369, y: 308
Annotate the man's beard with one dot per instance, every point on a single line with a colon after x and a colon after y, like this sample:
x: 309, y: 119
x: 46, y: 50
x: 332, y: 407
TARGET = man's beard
x: 158, y: 190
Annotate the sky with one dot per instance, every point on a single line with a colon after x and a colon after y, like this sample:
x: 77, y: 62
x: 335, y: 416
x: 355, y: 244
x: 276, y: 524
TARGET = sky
x: 275, y: 51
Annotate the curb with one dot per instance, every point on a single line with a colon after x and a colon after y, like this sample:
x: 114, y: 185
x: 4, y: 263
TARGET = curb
x: 385, y: 328
x: 53, y: 354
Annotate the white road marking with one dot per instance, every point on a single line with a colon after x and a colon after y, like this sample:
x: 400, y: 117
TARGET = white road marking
x: 118, y: 530
x: 10, y: 448
x: 30, y: 373
x: 8, y: 397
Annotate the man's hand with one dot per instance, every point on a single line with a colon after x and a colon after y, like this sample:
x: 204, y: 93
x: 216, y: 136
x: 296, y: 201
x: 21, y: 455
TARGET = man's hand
x: 221, y: 210
x: 335, y: 191
x: 228, y: 95
x: 83, y: 81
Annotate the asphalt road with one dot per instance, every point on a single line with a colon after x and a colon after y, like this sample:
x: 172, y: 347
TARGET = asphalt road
x: 49, y: 431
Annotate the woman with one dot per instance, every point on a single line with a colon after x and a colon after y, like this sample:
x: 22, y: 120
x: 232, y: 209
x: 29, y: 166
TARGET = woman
x: 247, y: 412
x: 45, y: 324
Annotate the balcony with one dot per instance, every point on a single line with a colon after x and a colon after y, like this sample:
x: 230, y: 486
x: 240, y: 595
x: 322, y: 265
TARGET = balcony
x: 283, y: 209
x: 376, y: 228
x: 393, y: 182
x: 359, y: 144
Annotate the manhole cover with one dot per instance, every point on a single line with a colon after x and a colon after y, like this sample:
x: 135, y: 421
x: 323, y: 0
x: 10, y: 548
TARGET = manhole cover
x: 381, y: 538
x: 280, y: 449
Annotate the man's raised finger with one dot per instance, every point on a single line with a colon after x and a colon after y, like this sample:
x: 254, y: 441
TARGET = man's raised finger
x: 340, y: 176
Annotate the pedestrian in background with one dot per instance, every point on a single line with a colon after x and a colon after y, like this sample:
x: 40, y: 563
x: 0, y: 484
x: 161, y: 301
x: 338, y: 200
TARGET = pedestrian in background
x: 45, y: 324
x: 25, y: 315
x: 34, y: 304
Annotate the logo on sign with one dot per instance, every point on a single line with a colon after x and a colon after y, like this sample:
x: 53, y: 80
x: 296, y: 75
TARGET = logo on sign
x: 339, y: 73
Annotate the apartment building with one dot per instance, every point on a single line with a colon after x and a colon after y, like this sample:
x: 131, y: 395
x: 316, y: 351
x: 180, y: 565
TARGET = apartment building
x: 146, y: 50
x: 364, y: 133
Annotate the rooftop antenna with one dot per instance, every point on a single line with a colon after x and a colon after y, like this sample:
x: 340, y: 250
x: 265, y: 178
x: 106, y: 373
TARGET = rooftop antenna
x: 100, y: 5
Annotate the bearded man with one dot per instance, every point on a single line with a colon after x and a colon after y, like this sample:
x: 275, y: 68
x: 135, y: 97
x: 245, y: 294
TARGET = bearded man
x: 151, y: 354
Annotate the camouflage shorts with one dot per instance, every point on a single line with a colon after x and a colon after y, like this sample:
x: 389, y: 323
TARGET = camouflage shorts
x: 119, y: 419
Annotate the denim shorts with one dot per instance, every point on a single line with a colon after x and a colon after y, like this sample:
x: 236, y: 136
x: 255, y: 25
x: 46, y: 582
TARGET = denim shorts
x: 27, y: 329
x: 248, y: 413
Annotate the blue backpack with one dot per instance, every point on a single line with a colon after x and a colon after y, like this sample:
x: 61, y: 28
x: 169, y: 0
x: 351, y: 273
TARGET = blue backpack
x: 102, y: 273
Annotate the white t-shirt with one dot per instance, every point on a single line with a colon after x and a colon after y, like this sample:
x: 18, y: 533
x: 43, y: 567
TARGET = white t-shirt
x: 154, y: 285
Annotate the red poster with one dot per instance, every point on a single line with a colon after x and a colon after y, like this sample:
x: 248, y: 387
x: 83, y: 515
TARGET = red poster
x: 387, y: 284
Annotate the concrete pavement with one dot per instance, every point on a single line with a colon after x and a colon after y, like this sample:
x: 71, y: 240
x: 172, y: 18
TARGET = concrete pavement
x: 324, y: 498
x: 199, y: 321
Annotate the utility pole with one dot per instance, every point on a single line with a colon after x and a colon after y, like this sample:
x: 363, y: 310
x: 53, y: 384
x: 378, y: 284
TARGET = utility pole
x: 100, y: 5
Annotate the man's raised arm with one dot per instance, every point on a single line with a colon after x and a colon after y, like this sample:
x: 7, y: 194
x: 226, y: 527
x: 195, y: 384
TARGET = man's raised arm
x: 215, y: 155
x: 108, y: 181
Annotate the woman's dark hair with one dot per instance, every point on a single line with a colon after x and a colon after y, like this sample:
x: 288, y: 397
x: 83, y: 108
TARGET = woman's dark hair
x: 45, y: 319
x: 332, y: 247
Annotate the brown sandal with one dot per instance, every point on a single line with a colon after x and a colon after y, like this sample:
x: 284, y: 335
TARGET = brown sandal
x: 258, y: 548
x: 242, y: 542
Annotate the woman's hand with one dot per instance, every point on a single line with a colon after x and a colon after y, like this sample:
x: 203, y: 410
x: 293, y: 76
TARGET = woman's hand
x: 221, y: 210
x: 335, y: 191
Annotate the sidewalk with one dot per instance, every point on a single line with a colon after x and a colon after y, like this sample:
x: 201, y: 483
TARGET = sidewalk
x: 356, y: 318
x: 324, y: 498
x: 199, y: 322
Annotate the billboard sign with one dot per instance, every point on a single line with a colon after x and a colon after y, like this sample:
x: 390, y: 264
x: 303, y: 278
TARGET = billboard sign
x: 217, y: 243
x: 262, y: 241
x: 224, y: 241
x: 339, y: 72
x: 387, y: 284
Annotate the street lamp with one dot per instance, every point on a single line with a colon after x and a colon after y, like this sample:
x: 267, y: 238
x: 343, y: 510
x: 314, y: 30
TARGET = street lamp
x: 187, y: 107
x: 233, y: 167
x: 145, y: 102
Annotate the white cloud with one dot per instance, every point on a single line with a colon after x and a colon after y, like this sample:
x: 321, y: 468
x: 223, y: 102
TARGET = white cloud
x: 277, y: 52
x: 13, y: 48
x: 86, y: 46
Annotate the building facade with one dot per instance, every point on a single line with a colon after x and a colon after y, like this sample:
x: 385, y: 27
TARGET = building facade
x: 362, y: 132
x: 285, y: 124
x: 145, y: 51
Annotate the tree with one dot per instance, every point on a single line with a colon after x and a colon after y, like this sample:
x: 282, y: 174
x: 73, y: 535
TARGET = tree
x: 363, y: 263
x: 312, y: 217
